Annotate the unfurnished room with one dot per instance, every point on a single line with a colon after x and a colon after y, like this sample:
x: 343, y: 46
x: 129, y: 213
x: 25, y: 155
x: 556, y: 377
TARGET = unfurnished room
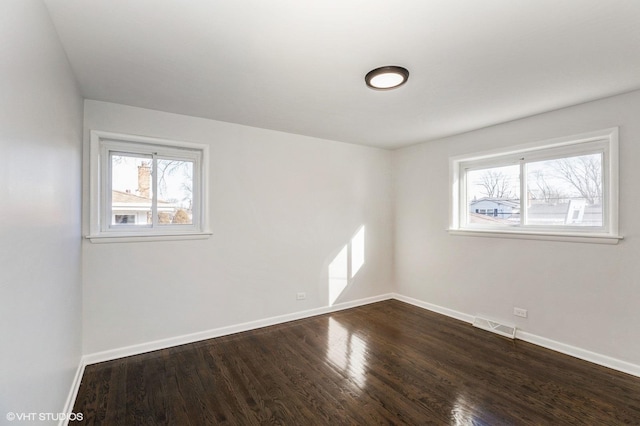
x: 320, y: 212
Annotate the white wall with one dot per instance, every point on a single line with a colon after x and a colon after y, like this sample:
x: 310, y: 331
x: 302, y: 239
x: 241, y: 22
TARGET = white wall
x: 584, y: 295
x: 40, y: 148
x: 283, y: 206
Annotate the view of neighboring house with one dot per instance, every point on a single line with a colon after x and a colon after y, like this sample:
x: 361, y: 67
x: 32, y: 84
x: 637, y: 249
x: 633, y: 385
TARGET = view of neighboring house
x: 128, y: 208
x: 500, y: 208
x: 539, y: 212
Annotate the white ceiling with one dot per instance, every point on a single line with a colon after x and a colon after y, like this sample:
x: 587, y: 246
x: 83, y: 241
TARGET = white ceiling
x: 298, y: 65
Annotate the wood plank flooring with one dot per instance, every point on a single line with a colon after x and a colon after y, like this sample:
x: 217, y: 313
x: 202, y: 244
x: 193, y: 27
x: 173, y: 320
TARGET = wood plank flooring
x: 384, y: 363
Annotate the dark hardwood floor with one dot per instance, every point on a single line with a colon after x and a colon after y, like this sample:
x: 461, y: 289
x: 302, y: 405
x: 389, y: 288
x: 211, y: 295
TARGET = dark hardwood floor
x: 384, y: 363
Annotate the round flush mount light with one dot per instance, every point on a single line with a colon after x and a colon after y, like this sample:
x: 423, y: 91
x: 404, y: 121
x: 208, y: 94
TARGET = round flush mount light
x: 385, y: 78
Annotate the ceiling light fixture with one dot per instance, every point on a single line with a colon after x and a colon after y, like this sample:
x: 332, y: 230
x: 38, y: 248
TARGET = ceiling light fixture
x: 385, y: 78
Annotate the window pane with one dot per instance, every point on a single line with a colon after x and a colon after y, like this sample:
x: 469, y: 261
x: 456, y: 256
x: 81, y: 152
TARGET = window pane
x: 493, y: 195
x: 175, y: 192
x: 131, y: 193
x: 565, y: 191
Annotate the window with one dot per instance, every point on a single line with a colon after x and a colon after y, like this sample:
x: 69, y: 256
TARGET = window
x: 565, y: 188
x: 146, y: 188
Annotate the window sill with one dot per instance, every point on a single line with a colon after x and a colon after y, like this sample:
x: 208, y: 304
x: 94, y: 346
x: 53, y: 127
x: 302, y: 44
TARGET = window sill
x: 548, y: 236
x: 128, y: 238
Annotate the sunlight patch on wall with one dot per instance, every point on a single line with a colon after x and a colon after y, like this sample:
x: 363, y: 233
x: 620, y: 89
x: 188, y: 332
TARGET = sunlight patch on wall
x: 338, y: 275
x: 346, y: 265
x: 357, y: 251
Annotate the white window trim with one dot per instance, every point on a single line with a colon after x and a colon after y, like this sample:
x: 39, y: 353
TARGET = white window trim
x: 568, y: 144
x: 99, y: 232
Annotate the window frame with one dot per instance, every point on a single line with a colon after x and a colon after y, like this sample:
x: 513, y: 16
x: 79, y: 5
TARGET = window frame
x: 601, y: 141
x: 105, y: 144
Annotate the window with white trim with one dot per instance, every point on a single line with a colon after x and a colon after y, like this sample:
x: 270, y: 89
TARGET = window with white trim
x: 146, y: 188
x: 566, y: 187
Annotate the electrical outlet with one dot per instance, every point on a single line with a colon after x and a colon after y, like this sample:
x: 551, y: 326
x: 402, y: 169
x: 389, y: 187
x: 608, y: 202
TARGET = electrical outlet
x: 519, y: 312
x: 301, y: 296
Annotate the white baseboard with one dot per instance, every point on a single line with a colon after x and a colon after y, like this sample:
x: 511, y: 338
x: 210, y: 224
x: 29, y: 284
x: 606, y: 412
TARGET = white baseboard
x: 223, y: 331
x: 73, y: 393
x: 434, y: 308
x: 583, y: 354
x: 596, y: 358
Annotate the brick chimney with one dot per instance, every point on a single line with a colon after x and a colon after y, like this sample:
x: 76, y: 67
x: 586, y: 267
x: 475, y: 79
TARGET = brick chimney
x: 144, y: 179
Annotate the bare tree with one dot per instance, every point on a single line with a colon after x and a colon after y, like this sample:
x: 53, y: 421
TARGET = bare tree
x: 584, y: 174
x: 543, y: 190
x: 167, y: 168
x: 495, y: 184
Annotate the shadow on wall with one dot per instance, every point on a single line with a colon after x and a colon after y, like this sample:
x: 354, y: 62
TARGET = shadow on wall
x: 346, y: 265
